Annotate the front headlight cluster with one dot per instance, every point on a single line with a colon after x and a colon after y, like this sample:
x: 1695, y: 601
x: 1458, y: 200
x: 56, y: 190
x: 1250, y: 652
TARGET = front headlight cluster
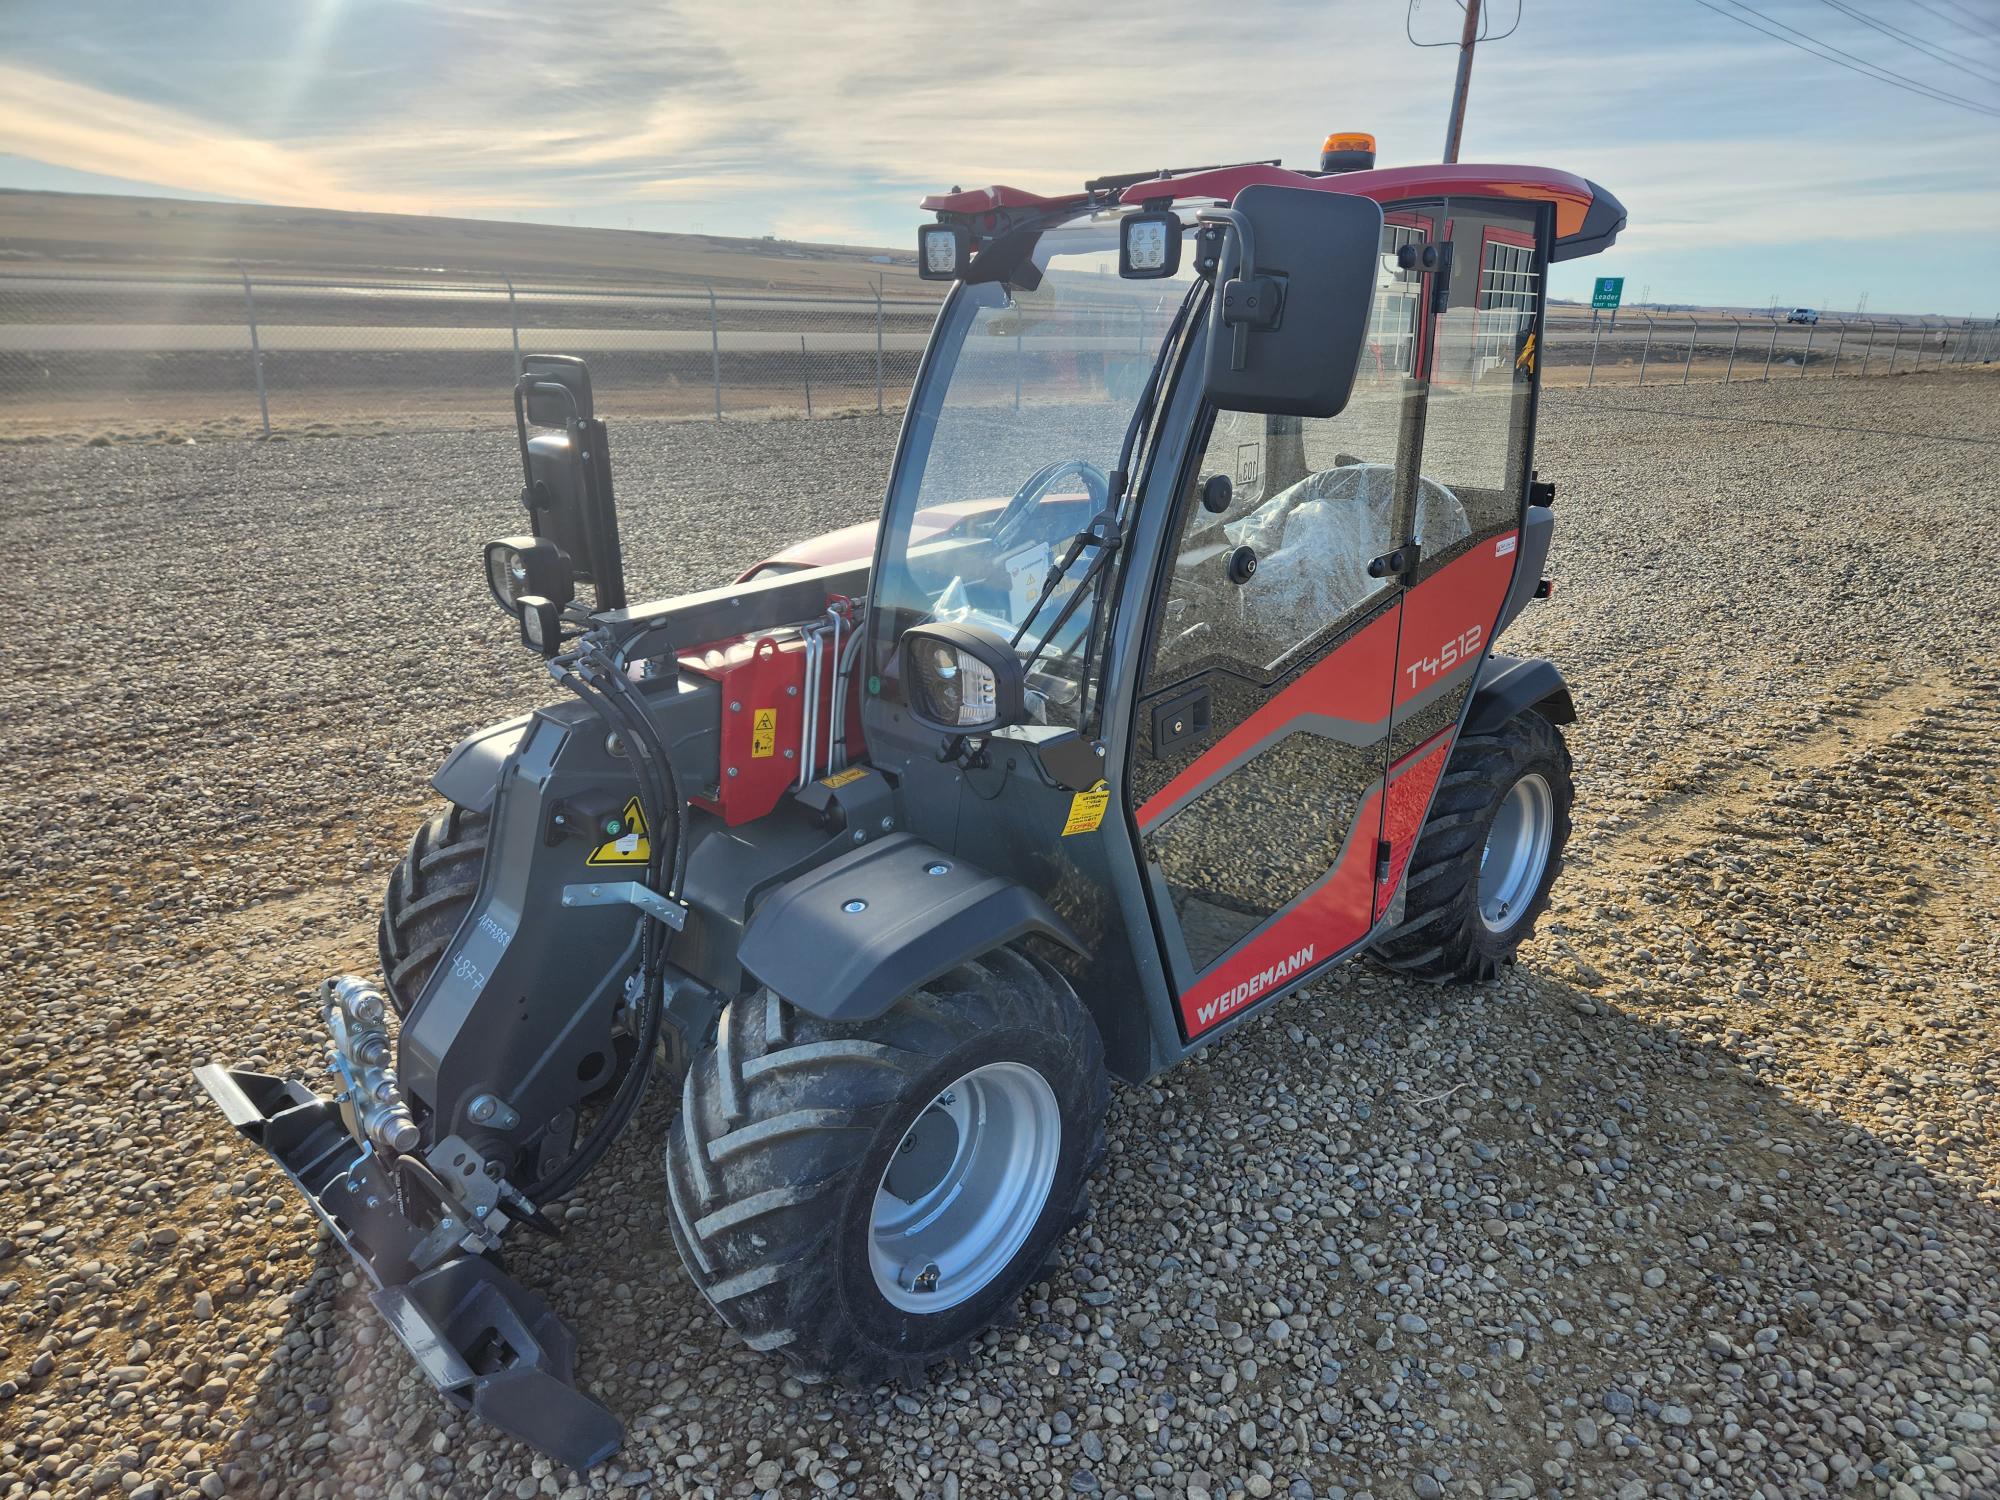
x: 959, y: 679
x: 521, y: 567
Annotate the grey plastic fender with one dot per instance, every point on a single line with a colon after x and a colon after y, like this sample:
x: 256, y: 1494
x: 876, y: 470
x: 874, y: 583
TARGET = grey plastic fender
x: 845, y: 940
x: 472, y: 770
x: 1508, y: 685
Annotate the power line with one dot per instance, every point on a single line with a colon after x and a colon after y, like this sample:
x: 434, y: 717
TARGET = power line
x: 1980, y: 30
x: 1908, y: 39
x: 1812, y: 46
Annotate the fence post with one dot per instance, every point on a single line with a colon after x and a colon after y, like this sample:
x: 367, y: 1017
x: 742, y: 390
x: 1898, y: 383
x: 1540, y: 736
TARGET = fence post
x: 806, y: 373
x: 1772, y: 350
x: 1895, y: 345
x: 256, y: 350
x: 1596, y: 333
x: 1694, y: 336
x: 1868, y: 350
x: 1839, y: 344
x: 1738, y: 339
x: 1805, y: 360
x: 513, y: 324
x: 1646, y: 349
x: 878, y: 345
x: 714, y: 351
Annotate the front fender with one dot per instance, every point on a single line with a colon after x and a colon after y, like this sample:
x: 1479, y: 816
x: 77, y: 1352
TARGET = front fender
x: 472, y: 770
x: 846, y: 940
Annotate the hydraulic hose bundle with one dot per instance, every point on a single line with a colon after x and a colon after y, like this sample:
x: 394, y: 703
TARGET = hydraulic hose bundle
x: 595, y: 673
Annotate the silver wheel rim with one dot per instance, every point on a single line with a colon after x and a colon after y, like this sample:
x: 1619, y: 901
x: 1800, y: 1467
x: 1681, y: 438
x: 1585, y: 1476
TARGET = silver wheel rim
x: 1517, y: 852
x: 965, y: 1186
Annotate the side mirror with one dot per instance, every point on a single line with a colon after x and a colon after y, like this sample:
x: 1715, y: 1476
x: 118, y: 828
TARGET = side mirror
x: 1294, y: 287
x: 566, y: 473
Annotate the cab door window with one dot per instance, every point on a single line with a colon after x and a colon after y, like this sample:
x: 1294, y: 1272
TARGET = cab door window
x: 1311, y: 498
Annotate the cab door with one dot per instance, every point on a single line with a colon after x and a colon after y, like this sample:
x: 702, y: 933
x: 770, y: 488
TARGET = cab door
x: 1463, y: 515
x: 1264, y: 714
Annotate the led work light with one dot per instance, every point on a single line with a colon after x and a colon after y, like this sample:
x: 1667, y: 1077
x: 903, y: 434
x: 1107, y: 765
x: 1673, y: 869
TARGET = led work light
x: 942, y: 251
x: 1149, y: 245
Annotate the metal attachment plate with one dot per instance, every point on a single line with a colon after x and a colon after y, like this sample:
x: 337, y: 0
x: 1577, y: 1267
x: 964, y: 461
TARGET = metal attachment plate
x: 629, y: 892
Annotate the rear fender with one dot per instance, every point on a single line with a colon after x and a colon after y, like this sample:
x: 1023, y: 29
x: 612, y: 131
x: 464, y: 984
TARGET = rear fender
x: 845, y: 940
x: 1509, y: 685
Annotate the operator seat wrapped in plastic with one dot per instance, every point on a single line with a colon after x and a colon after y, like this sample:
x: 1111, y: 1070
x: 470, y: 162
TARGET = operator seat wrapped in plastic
x: 1315, y: 539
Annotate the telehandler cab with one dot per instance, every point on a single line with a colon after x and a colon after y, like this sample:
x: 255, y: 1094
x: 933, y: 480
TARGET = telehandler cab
x: 1165, y: 682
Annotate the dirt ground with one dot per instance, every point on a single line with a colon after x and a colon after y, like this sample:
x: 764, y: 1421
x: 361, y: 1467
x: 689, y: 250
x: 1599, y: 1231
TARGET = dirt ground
x: 1698, y: 1200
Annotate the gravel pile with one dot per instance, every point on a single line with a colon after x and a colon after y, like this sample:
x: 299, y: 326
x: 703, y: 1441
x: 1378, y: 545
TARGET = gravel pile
x: 1699, y: 1200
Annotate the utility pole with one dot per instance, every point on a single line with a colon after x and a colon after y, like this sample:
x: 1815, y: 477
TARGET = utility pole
x: 1466, y: 38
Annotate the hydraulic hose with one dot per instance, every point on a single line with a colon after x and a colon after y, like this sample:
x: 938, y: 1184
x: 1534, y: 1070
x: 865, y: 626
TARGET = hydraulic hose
x: 596, y: 680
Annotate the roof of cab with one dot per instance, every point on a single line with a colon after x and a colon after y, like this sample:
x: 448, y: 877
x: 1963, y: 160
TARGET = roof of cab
x: 1587, y: 217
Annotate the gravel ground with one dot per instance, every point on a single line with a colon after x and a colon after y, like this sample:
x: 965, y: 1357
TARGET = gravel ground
x: 1700, y: 1200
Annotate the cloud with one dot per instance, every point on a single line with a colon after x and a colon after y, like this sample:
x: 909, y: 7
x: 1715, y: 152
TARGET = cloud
x: 76, y: 126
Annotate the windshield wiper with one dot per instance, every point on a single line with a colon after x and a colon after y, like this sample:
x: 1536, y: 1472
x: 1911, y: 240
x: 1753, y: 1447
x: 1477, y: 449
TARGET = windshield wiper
x: 1106, y: 531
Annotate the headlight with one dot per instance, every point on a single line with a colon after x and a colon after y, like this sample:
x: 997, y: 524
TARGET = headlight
x: 959, y: 679
x: 517, y: 566
x: 541, y: 624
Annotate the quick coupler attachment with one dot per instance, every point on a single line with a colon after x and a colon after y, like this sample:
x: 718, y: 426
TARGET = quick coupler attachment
x: 490, y: 1345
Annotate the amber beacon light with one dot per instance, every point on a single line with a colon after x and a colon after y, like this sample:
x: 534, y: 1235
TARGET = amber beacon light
x: 1347, y: 151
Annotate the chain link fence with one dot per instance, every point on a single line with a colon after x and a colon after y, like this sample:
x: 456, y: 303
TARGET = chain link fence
x: 288, y: 356
x: 1673, y: 348
x: 217, y: 354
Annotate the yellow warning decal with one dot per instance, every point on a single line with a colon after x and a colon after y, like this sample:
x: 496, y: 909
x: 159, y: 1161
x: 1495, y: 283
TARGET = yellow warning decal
x: 843, y: 778
x: 1086, y: 810
x: 763, y: 734
x: 628, y: 846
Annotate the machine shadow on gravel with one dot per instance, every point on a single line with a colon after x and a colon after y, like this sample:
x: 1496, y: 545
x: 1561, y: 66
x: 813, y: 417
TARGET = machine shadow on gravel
x: 1641, y: 1177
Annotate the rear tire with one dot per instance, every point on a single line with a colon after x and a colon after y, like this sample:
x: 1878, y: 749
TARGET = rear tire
x: 1488, y: 854
x: 783, y: 1166
x: 428, y: 896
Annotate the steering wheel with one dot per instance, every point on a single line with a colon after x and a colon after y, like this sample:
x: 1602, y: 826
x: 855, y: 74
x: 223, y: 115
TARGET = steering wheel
x: 1011, y: 520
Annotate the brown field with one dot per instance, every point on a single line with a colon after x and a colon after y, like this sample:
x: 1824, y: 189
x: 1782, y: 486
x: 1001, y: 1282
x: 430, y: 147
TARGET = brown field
x: 98, y: 233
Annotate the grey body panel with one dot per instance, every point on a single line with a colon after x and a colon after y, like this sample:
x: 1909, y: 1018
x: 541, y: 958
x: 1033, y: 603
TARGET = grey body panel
x: 846, y: 939
x: 1538, y: 529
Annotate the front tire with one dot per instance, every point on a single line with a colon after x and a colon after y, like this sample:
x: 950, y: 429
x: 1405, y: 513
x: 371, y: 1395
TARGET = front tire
x: 428, y: 896
x: 866, y: 1199
x: 1488, y: 855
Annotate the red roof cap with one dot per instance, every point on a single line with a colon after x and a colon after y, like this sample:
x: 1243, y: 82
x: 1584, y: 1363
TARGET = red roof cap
x: 985, y: 200
x: 1572, y: 195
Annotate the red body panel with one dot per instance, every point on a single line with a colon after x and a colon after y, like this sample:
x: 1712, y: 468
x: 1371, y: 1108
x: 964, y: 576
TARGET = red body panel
x: 1571, y: 194
x: 762, y: 689
x: 987, y: 199
x: 1351, y: 684
x: 1412, y: 780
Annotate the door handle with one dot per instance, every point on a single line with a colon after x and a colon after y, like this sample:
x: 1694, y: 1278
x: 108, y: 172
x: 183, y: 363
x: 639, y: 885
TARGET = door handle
x: 1181, y: 720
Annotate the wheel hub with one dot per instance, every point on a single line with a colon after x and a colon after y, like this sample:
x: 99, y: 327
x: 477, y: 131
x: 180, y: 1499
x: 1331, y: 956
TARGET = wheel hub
x: 1516, y: 853
x: 964, y: 1187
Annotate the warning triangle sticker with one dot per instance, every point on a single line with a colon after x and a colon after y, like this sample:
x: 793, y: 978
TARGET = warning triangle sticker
x: 630, y: 846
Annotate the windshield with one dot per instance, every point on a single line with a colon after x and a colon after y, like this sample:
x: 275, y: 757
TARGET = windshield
x: 1012, y: 434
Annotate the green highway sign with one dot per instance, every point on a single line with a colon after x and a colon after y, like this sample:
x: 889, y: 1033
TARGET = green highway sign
x: 1609, y: 291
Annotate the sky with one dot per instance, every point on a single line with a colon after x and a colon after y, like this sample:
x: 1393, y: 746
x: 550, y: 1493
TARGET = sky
x: 1752, y: 171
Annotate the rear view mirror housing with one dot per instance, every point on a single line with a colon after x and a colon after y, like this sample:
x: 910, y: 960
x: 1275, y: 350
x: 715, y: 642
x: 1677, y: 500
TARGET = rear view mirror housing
x: 566, y: 474
x: 1295, y: 281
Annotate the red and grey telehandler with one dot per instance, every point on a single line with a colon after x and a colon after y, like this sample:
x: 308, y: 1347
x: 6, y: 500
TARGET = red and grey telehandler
x: 1166, y: 681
